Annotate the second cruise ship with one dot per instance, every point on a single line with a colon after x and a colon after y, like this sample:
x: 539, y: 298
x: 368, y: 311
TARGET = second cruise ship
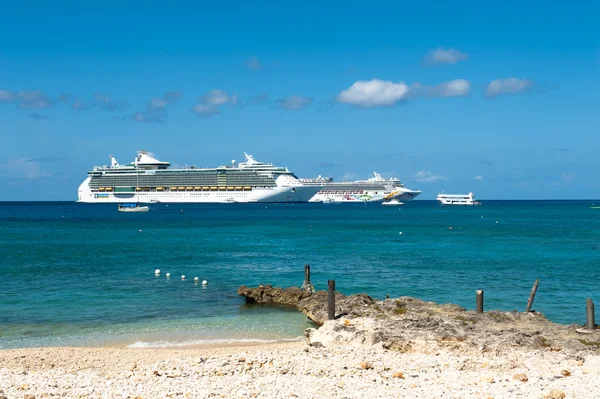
x: 374, y: 189
x: 149, y: 180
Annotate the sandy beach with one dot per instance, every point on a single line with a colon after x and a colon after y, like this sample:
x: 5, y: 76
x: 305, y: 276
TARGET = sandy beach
x: 295, y: 370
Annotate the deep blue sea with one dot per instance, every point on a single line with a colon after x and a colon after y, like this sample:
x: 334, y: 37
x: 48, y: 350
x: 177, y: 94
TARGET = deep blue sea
x: 77, y: 274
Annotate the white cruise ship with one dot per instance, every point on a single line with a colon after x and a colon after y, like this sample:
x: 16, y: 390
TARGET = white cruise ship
x: 149, y: 180
x: 457, y: 199
x: 375, y: 189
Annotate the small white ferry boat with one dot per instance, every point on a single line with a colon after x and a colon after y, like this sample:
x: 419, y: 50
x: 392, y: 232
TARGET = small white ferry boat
x: 392, y: 203
x: 457, y: 199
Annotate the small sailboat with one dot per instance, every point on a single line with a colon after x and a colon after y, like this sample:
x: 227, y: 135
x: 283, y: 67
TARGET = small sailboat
x: 134, y: 207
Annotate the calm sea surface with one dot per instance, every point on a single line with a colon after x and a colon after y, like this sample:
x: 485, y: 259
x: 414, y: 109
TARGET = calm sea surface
x: 75, y: 274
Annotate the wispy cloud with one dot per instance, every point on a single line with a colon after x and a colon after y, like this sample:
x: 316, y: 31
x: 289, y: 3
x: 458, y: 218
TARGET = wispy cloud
x: 478, y: 178
x: 253, y: 63
x: 442, y: 56
x: 294, y: 103
x: 78, y: 105
x: 377, y: 93
x: 205, y: 111
x: 107, y: 103
x: 507, y: 86
x: 156, y: 108
x: 565, y: 179
x: 258, y: 99
x: 425, y: 176
x: 22, y: 169
x: 27, y: 99
x: 453, y: 88
x: 37, y: 116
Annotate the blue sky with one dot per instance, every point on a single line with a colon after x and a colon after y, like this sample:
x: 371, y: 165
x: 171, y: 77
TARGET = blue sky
x: 498, y: 99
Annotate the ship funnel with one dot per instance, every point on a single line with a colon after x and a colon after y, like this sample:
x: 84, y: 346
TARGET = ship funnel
x: 113, y: 161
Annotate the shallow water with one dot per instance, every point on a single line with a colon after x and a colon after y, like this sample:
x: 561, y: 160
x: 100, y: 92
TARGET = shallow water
x: 81, y: 274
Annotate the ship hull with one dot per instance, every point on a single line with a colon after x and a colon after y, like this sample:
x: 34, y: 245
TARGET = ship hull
x: 271, y: 195
x: 403, y: 195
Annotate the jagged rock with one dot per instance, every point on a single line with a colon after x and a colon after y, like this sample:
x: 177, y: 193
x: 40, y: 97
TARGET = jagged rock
x: 315, y: 306
x: 407, y: 324
x: 270, y: 294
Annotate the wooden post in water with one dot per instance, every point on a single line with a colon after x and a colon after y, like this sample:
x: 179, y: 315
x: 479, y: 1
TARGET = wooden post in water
x: 531, y: 296
x: 479, y: 301
x: 330, y: 299
x: 591, y: 323
x: 306, y: 274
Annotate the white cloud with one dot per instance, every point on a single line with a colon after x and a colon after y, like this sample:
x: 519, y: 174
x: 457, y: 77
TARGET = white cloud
x: 425, y: 176
x: 457, y: 87
x: 294, y: 102
x: 374, y: 93
x: 478, y: 178
x: 507, y: 86
x: 215, y: 97
x: 204, y: 110
x: 210, y: 104
x: 441, y: 56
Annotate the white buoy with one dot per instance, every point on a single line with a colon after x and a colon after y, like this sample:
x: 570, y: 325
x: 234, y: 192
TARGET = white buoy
x: 400, y: 233
x: 183, y: 276
x: 168, y: 275
x: 482, y: 217
x: 204, y: 282
x: 496, y: 222
x: 157, y: 271
x: 196, y: 279
x: 140, y: 230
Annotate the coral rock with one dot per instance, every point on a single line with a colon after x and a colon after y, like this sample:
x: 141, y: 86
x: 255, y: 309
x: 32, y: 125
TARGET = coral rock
x: 555, y: 394
x: 521, y: 377
x: 366, y: 365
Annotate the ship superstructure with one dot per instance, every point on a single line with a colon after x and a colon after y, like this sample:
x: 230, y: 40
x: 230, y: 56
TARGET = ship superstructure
x: 149, y: 180
x: 457, y: 199
x: 374, y: 189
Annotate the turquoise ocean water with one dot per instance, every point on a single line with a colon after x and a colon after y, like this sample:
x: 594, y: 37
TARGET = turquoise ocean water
x: 76, y: 274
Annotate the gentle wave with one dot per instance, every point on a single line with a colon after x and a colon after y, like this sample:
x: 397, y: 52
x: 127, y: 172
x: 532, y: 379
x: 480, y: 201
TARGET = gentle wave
x: 169, y: 344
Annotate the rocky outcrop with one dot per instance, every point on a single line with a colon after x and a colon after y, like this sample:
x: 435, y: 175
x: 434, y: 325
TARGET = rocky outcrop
x: 275, y: 295
x: 408, y: 324
x: 315, y: 306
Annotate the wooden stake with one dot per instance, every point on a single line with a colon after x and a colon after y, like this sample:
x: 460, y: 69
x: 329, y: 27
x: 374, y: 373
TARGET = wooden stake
x: 306, y: 274
x: 591, y: 323
x: 531, y: 296
x: 479, y: 301
x: 331, y: 300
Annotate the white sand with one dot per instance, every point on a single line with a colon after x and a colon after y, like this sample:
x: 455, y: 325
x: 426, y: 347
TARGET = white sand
x: 292, y: 370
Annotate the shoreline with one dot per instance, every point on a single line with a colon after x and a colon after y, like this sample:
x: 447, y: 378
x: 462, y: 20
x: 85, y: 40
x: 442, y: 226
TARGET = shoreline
x: 400, y: 347
x: 296, y: 370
